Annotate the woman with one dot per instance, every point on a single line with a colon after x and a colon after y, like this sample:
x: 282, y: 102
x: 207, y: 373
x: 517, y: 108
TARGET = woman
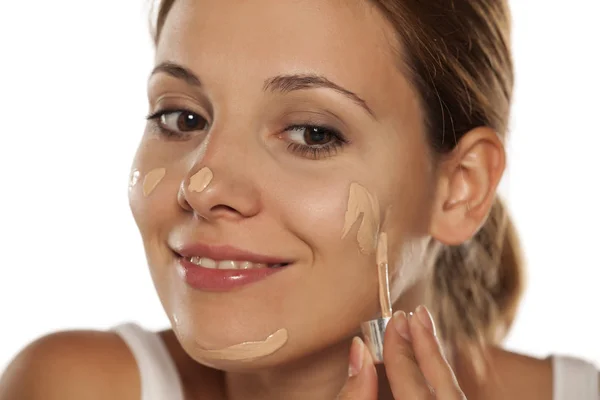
x: 284, y: 139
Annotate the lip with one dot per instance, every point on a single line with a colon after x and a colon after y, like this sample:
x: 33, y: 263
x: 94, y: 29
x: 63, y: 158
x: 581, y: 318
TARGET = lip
x: 221, y: 253
x: 222, y: 280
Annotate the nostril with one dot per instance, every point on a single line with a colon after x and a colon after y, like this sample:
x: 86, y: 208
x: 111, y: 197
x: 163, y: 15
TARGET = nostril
x: 223, y: 211
x: 222, y: 207
x: 182, y: 200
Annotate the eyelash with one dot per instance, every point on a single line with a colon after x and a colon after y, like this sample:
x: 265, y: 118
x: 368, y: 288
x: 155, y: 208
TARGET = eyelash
x: 317, y: 152
x: 314, y: 152
x: 155, y: 120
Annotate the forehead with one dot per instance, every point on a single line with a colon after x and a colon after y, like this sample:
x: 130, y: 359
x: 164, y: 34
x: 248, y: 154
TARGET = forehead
x: 347, y: 41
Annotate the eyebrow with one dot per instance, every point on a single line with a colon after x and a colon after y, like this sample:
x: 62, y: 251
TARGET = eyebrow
x: 280, y: 83
x: 177, y: 71
x: 290, y: 83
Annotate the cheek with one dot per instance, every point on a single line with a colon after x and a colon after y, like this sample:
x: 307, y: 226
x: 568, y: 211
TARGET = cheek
x: 314, y: 212
x: 153, y: 186
x: 134, y: 177
x: 153, y: 198
x: 338, y: 275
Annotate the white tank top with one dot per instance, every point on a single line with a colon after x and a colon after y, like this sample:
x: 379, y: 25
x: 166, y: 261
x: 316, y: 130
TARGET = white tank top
x: 574, y: 379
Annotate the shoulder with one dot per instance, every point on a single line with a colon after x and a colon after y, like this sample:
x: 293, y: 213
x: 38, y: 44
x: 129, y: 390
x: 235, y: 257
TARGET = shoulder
x: 84, y: 365
x: 529, y: 377
x: 548, y: 378
x: 509, y: 375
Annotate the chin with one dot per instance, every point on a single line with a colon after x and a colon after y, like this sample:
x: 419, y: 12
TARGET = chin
x: 230, y: 342
x: 240, y: 360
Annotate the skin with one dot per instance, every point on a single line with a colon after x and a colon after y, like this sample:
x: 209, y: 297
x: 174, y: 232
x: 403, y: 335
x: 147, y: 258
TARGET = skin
x: 269, y: 200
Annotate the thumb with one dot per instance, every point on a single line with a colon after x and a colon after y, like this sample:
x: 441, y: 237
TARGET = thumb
x: 362, y: 377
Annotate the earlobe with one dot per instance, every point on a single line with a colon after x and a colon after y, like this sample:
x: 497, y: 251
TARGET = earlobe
x: 467, y: 183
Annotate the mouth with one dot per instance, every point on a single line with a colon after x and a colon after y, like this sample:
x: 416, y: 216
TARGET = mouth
x: 210, y: 263
x: 224, y: 268
x: 228, y: 257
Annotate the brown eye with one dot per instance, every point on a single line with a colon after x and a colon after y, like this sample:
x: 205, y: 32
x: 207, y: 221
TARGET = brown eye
x: 315, y: 136
x: 314, y: 141
x: 182, y: 121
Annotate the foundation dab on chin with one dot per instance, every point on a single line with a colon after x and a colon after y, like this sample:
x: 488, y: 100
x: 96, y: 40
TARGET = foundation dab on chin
x: 248, y: 351
x: 152, y: 179
x: 374, y: 330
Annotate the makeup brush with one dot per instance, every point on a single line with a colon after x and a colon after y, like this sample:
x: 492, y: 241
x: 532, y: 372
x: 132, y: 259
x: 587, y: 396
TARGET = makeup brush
x: 374, y: 330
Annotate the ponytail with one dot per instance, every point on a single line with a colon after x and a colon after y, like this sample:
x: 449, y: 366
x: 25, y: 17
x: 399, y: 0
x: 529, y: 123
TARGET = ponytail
x: 476, y: 287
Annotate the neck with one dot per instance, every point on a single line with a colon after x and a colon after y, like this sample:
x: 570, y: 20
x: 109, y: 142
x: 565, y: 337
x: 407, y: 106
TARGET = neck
x: 318, y: 376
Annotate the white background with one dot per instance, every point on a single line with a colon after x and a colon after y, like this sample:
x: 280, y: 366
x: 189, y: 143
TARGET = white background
x: 72, y: 104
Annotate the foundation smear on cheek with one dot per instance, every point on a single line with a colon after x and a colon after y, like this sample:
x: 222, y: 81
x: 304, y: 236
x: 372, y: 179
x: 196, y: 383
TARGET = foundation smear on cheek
x: 362, y: 203
x: 200, y: 180
x: 134, y: 177
x: 152, y: 179
x: 249, y: 351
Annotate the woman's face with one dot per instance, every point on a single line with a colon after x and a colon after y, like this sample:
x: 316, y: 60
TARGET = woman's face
x: 290, y: 104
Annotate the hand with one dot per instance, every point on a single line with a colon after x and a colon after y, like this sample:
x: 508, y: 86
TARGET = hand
x: 414, y: 363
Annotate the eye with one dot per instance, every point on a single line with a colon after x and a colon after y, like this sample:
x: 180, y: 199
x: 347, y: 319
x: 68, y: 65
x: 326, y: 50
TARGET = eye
x: 178, y: 122
x: 314, y: 141
x: 311, y: 135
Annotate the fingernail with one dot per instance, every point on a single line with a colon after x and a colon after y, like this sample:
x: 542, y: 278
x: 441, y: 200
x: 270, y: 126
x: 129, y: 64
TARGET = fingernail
x: 426, y: 319
x: 357, y: 356
x: 401, y: 325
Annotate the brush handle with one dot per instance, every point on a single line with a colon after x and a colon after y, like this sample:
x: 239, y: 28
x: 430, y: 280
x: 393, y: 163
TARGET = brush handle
x: 384, y: 291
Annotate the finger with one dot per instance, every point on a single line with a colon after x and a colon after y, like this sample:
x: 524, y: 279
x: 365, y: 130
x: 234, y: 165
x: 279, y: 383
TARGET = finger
x: 430, y: 357
x: 362, y: 377
x: 404, y: 375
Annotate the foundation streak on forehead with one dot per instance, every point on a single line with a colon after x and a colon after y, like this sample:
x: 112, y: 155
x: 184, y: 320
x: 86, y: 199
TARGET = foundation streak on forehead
x: 362, y: 203
x: 249, y: 351
x: 152, y: 179
x: 200, y: 180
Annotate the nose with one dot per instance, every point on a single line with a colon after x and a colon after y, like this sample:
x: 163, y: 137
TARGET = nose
x: 215, y: 193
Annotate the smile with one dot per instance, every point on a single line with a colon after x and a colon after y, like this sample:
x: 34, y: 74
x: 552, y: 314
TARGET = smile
x: 222, y: 268
x: 209, y: 263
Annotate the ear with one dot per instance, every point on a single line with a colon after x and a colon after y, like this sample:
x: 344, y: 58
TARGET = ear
x: 467, y: 181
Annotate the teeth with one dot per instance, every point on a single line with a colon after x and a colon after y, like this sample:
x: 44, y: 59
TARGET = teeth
x: 245, y: 265
x: 226, y: 264
x: 207, y: 263
x: 196, y: 260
